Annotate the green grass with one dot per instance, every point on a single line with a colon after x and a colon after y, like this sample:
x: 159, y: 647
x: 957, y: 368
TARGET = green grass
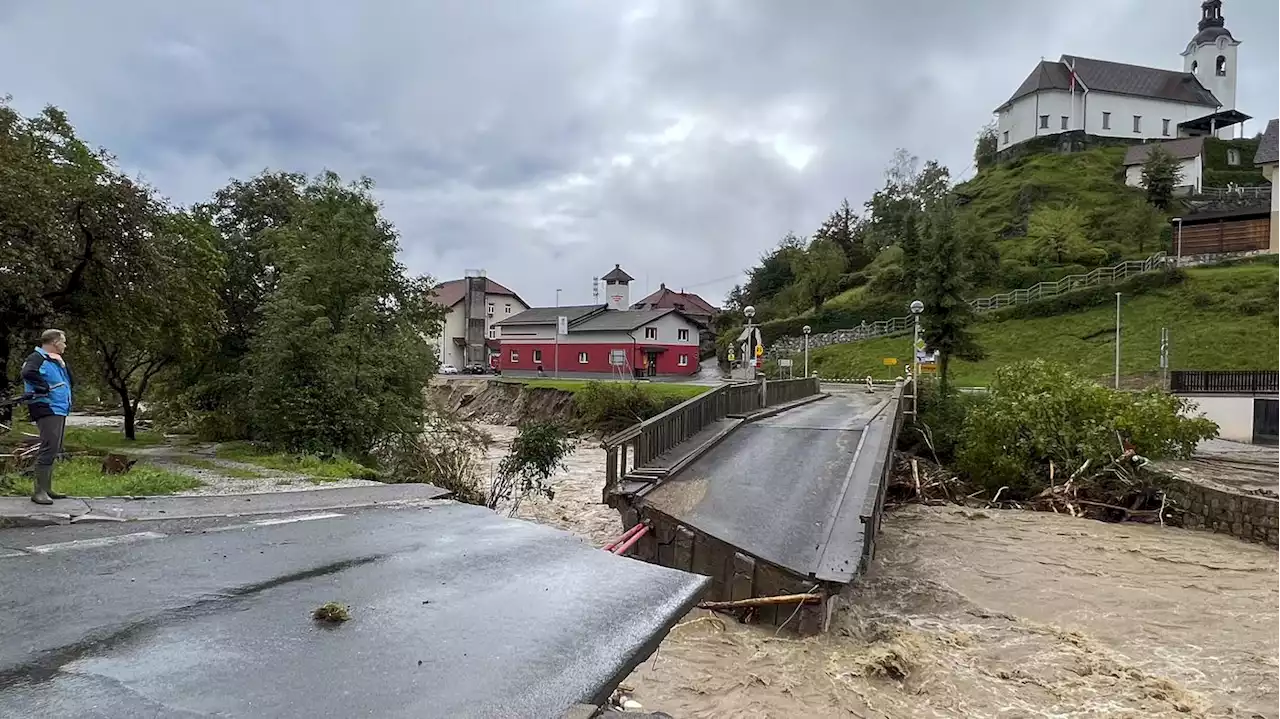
x: 309, y: 465
x: 96, y: 440
x: 657, y: 390
x: 83, y: 477
x: 1219, y: 318
x: 232, y: 472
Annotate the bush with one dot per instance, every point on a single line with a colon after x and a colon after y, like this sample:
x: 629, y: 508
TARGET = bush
x: 536, y: 453
x: 1038, y: 412
x: 940, y: 424
x: 609, y: 407
x: 449, y: 453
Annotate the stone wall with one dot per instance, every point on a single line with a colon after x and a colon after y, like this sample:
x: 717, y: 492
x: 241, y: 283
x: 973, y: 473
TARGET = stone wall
x: 1251, y: 517
x: 788, y: 346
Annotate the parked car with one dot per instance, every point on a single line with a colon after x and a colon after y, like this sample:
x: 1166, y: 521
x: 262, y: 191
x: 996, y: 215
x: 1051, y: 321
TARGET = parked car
x: 475, y: 368
x: 448, y: 369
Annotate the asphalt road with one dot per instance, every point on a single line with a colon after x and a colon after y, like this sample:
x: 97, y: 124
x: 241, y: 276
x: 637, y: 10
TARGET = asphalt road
x: 770, y: 487
x: 456, y: 612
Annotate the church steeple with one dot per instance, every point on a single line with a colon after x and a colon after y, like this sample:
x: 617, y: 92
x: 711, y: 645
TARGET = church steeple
x: 1211, y: 14
x: 1211, y: 57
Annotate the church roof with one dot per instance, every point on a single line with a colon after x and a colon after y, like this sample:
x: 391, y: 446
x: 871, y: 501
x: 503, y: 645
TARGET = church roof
x: 1269, y: 147
x: 1116, y: 77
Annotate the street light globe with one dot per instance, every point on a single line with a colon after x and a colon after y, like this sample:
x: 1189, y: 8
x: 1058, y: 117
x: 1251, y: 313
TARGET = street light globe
x: 806, y: 329
x: 749, y: 311
x: 917, y: 307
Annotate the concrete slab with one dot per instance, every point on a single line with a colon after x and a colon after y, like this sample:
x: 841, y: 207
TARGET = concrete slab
x: 456, y: 612
x: 776, y: 487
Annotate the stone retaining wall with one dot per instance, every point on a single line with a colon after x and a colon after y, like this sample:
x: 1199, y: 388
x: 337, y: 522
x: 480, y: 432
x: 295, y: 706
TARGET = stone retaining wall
x: 1251, y: 517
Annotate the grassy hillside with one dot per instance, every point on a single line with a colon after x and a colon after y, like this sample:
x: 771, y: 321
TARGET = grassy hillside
x: 1218, y: 318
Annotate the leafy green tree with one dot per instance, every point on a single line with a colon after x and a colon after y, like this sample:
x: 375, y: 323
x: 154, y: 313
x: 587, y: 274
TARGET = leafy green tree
x: 1058, y: 234
x: 163, y: 310
x: 843, y: 228
x: 986, y: 147
x: 820, y: 268
x: 341, y: 355
x: 943, y: 284
x: 776, y: 271
x: 1039, y: 412
x: 1160, y: 175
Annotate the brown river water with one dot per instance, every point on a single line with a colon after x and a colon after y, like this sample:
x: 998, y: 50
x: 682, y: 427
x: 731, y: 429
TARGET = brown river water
x: 987, y: 613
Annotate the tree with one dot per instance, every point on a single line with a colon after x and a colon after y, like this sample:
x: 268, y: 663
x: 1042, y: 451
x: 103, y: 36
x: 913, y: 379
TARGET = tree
x: 1058, y: 234
x: 906, y: 190
x: 844, y: 229
x: 341, y: 356
x: 986, y: 147
x: 164, y: 311
x: 536, y: 453
x: 1160, y: 175
x: 943, y: 283
x: 775, y: 272
x: 820, y: 269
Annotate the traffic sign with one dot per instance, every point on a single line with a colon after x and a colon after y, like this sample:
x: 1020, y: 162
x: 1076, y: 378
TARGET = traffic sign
x: 890, y: 361
x: 759, y: 350
x: 732, y: 358
x: 784, y: 363
x: 928, y: 367
x: 920, y: 345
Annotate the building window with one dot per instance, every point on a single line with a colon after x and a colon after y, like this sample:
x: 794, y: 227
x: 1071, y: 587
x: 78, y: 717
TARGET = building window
x: 537, y: 356
x: 493, y: 333
x: 490, y: 309
x: 684, y: 360
x: 1106, y: 121
x: 1195, y: 67
x: 1220, y: 68
x: 651, y: 333
x: 1137, y: 123
x: 507, y: 309
x: 1233, y: 156
x: 1064, y: 122
x: 1164, y: 127
x: 1006, y: 137
x: 682, y: 335
x: 514, y: 356
x: 1044, y: 122
x: 582, y: 358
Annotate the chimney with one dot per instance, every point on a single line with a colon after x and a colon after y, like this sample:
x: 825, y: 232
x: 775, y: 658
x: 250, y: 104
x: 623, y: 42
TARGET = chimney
x: 617, y: 291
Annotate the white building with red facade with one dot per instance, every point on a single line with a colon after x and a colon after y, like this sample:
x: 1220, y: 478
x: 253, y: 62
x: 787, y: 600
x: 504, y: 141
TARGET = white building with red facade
x: 600, y: 340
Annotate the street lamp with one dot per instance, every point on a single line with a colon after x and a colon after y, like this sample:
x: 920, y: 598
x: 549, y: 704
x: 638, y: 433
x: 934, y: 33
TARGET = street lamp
x: 1179, y: 221
x: 916, y: 308
x: 806, y: 329
x: 1117, y: 340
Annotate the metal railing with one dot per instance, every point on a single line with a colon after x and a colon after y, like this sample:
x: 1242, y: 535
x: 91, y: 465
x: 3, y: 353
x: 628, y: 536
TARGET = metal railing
x: 1256, y: 192
x: 654, y: 437
x: 1224, y: 381
x: 1038, y: 291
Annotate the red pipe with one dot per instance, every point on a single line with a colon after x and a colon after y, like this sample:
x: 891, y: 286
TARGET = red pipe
x: 625, y: 536
x: 622, y: 548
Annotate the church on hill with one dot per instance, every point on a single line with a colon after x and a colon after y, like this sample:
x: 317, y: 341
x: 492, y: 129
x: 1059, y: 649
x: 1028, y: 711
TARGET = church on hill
x: 1110, y: 99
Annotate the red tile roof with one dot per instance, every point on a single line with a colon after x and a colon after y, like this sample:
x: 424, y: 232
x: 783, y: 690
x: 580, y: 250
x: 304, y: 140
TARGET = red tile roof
x: 451, y: 293
x: 669, y: 299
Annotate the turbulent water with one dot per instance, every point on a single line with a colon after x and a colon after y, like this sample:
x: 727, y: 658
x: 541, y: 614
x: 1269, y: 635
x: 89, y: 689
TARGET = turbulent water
x: 983, y: 614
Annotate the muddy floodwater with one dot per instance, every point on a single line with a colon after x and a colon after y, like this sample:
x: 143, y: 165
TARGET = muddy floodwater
x: 985, y: 613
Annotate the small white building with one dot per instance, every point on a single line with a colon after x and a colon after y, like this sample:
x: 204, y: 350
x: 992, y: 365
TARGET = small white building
x: 1268, y: 160
x: 1111, y: 99
x: 481, y: 316
x: 1188, y: 151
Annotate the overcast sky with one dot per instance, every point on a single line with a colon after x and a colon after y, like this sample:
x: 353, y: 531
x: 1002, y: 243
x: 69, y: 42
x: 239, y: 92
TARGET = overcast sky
x: 546, y: 140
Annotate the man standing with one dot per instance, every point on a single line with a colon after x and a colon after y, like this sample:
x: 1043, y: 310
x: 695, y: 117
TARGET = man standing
x: 45, y: 375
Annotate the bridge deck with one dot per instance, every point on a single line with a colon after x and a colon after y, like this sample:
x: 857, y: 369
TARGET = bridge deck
x: 790, y: 489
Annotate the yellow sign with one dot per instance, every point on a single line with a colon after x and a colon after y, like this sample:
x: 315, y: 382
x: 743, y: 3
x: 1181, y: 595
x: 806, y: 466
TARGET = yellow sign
x: 732, y: 358
x: 928, y: 367
x: 759, y: 350
x: 890, y: 361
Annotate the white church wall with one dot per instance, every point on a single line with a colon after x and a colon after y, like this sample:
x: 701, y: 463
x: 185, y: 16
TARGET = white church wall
x: 1022, y: 119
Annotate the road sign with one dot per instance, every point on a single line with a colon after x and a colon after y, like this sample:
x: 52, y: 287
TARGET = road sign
x: 920, y: 345
x: 562, y: 325
x: 890, y: 361
x: 732, y: 358
x: 618, y: 358
x: 759, y: 350
x: 928, y: 367
x: 784, y: 363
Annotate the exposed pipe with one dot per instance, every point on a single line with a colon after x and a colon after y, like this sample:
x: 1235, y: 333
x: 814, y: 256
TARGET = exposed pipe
x: 622, y: 548
x: 625, y: 536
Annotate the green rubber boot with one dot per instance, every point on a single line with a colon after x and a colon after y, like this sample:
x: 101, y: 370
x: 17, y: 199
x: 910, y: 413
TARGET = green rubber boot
x: 44, y: 478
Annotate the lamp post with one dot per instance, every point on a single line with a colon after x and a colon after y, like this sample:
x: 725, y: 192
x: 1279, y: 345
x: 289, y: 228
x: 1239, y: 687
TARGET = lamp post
x: 807, y: 329
x: 917, y: 307
x: 556, y: 361
x: 1117, y: 340
x: 1179, y: 221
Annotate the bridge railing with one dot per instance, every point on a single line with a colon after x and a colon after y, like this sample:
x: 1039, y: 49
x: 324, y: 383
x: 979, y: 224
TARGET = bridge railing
x: 654, y: 437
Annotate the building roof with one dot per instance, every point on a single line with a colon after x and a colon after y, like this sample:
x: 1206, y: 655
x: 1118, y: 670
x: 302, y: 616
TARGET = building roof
x: 1269, y: 146
x: 548, y: 315
x: 617, y: 275
x: 620, y: 320
x: 1182, y: 149
x: 1212, y: 25
x: 665, y: 298
x: 1116, y: 77
x: 451, y: 292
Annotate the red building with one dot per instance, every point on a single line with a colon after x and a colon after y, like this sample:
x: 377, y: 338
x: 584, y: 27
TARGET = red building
x: 601, y: 340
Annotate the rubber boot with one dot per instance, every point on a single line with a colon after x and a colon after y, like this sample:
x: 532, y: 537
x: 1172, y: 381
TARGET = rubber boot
x: 44, y: 478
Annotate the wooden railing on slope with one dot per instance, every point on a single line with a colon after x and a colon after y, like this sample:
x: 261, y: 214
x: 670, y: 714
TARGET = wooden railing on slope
x: 662, y: 433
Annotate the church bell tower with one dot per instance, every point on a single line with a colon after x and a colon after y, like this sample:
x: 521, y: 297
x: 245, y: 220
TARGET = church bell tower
x: 1211, y: 57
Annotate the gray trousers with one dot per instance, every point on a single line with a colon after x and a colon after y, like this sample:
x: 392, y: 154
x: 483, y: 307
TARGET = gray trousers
x: 51, y: 431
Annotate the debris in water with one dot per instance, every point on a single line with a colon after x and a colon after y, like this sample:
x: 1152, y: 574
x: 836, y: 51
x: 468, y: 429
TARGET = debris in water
x: 331, y: 613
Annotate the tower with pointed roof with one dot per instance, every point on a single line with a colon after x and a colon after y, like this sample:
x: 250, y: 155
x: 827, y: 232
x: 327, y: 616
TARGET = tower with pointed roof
x: 617, y: 288
x: 1211, y: 56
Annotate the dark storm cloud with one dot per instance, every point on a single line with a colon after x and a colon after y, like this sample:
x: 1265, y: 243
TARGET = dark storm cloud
x: 546, y: 141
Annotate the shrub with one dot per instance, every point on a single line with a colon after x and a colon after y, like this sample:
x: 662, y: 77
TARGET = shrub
x: 1040, y: 412
x: 1095, y: 296
x: 609, y: 407
x: 449, y: 453
x: 536, y: 453
x: 939, y: 427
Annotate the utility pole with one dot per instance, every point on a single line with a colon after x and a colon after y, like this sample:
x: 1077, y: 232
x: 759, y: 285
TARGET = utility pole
x: 1164, y: 357
x: 807, y: 330
x: 917, y: 347
x: 559, y: 321
x: 1117, y: 340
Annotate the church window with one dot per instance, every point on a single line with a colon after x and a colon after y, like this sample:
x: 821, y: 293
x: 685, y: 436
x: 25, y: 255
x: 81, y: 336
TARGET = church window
x: 1137, y: 123
x: 1064, y: 122
x: 1044, y: 122
x: 1233, y: 156
x: 1106, y: 121
x: 1164, y: 129
x: 1195, y: 67
x: 1220, y: 69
